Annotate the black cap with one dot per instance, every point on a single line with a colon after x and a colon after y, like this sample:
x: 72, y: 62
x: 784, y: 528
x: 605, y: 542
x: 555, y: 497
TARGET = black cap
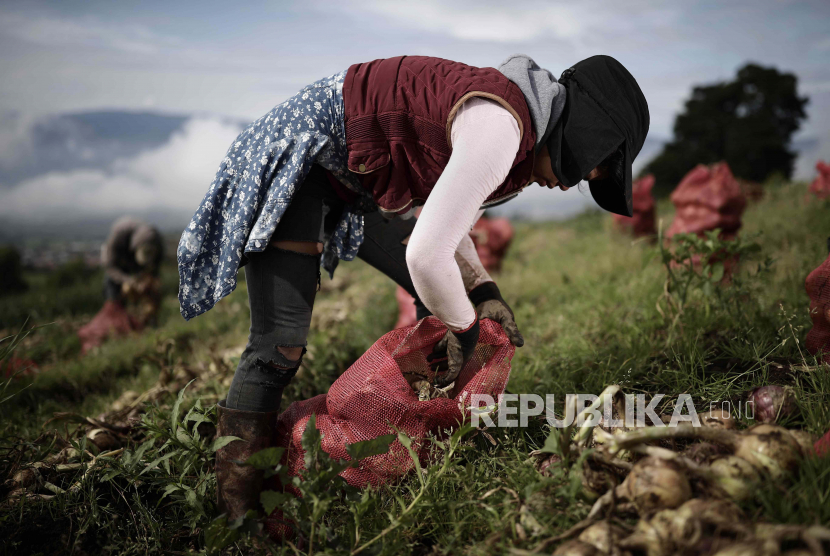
x: 605, y: 109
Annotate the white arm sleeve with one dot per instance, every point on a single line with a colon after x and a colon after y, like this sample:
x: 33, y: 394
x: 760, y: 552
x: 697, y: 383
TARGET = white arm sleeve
x: 485, y: 139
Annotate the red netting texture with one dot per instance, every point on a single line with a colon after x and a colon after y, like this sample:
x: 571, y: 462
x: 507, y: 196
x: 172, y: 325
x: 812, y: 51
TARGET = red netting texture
x: 708, y: 197
x: 641, y: 223
x: 112, y: 320
x: 821, y: 185
x: 373, y: 396
x: 817, y: 284
x: 492, y: 237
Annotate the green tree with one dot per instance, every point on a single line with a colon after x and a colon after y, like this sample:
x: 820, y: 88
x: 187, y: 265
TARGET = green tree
x: 748, y: 122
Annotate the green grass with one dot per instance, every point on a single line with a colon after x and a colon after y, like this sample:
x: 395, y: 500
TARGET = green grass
x: 590, y: 304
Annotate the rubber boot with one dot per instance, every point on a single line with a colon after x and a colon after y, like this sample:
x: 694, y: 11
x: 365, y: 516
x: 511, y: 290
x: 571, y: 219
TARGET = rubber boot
x: 238, y: 486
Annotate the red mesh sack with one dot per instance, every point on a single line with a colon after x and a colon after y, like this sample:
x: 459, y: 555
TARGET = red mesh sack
x: 111, y: 321
x: 17, y: 367
x: 822, y: 445
x: 492, y: 238
x: 821, y: 185
x: 641, y: 223
x: 708, y: 197
x: 373, y: 395
x: 817, y: 284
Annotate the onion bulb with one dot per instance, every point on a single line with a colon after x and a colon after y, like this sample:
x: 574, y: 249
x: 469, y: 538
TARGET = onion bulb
x: 703, y: 452
x: 656, y: 484
x: 710, y: 510
x: 577, y: 548
x: 750, y: 548
x: 772, y: 403
x: 770, y: 448
x: 595, y: 482
x: 543, y: 465
x: 735, y: 476
x: 718, y: 418
x: 805, y: 440
x: 603, y: 535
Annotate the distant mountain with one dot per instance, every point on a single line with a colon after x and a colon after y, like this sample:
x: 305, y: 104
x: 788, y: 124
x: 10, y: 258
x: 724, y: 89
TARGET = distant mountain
x: 81, y: 140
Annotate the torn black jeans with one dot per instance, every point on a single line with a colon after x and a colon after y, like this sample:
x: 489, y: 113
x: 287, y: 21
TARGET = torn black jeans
x: 282, y: 286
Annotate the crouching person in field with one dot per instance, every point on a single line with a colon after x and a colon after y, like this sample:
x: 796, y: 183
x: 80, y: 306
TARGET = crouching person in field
x: 336, y: 172
x: 131, y: 258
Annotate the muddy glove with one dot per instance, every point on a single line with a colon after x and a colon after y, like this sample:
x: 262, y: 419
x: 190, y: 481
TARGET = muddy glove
x: 457, y: 348
x: 490, y: 305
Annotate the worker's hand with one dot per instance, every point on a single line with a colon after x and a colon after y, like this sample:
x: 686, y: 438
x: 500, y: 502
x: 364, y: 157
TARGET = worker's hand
x: 452, y: 352
x: 128, y: 285
x: 490, y: 305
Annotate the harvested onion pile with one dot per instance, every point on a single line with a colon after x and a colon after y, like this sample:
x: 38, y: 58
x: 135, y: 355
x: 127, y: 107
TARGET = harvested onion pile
x: 682, y: 484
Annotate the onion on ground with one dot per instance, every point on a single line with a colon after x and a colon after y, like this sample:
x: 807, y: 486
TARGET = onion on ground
x: 703, y: 452
x: 772, y: 403
x: 656, y: 484
x: 769, y: 448
x: 699, y: 526
x: 735, y: 476
x: 772, y: 450
x: 595, y: 481
x: 814, y: 540
x: 603, y: 535
x: 577, y: 548
x: 717, y: 418
x: 748, y: 548
x: 544, y: 464
x: 804, y: 439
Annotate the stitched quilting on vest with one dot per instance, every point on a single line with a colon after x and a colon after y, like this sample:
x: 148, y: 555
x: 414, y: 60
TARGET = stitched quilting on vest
x: 398, y: 114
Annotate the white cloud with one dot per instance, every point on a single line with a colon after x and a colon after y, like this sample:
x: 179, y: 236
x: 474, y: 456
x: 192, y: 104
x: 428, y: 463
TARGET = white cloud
x: 86, y: 31
x: 474, y: 21
x: 174, y: 176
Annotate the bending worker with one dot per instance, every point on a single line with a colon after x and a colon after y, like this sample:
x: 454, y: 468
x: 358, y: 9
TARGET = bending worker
x: 337, y: 170
x: 131, y: 258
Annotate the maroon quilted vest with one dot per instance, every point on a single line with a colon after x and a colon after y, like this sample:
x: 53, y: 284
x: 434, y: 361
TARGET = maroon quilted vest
x: 399, y: 114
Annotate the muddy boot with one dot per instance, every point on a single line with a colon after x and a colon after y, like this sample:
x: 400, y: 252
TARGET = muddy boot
x: 238, y: 486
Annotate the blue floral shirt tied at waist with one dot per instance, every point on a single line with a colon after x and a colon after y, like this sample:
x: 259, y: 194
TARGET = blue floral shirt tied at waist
x: 264, y: 167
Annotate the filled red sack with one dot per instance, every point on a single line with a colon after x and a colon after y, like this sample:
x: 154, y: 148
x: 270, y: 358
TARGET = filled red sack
x: 817, y: 285
x: 17, y: 367
x: 373, y: 396
x: 708, y: 197
x: 822, y: 445
x: 111, y: 321
x: 641, y: 223
x: 492, y: 237
x: 821, y: 185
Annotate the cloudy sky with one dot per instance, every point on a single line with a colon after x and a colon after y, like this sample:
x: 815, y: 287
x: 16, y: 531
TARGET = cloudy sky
x: 220, y: 64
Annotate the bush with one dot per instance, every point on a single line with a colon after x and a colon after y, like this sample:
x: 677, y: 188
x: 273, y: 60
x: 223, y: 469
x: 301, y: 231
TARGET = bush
x: 70, y: 273
x: 11, y: 271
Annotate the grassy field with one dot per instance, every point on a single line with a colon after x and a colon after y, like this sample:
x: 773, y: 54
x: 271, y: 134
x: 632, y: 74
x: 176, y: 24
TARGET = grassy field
x: 593, y: 308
